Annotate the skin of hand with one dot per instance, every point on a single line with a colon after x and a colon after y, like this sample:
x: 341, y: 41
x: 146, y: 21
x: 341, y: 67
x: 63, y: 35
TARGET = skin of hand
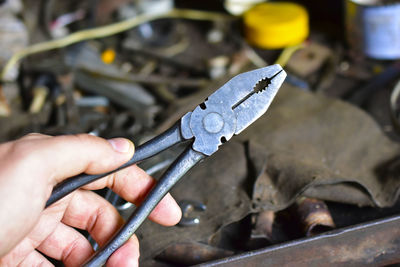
x: 29, y: 169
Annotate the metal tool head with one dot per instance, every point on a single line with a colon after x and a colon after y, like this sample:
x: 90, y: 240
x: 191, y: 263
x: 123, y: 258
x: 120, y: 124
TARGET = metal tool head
x: 232, y: 108
x: 261, y: 86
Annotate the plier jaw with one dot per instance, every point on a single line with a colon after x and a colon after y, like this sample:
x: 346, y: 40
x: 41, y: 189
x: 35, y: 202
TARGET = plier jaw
x: 265, y: 83
x: 232, y: 108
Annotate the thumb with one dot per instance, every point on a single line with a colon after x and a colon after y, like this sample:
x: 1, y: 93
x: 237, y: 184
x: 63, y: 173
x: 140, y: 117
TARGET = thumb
x: 61, y: 157
x: 89, y: 154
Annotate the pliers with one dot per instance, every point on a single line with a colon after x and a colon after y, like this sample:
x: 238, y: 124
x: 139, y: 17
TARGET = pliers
x: 227, y: 112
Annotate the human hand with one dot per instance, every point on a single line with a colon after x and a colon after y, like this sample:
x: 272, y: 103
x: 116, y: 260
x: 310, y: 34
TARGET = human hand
x: 29, y: 169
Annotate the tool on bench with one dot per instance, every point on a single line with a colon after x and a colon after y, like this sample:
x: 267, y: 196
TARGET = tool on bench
x: 227, y: 112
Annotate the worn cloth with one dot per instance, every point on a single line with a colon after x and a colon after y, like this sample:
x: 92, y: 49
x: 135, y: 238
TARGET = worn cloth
x: 324, y: 148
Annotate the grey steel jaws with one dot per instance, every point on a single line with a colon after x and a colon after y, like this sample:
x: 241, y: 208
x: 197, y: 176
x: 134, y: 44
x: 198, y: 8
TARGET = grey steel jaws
x: 232, y: 108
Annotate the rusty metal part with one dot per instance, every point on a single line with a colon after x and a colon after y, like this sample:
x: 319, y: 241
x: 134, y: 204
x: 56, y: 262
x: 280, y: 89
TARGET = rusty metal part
x: 188, y: 207
x: 314, y: 216
x: 373, y: 243
x: 189, y: 253
x: 316, y: 64
x: 309, y: 59
x: 263, y: 225
x: 261, y: 234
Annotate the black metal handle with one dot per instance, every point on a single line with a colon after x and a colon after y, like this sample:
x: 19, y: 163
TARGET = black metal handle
x: 152, y: 147
x: 182, y: 164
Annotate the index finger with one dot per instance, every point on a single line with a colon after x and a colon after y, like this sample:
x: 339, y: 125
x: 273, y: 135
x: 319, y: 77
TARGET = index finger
x: 133, y: 184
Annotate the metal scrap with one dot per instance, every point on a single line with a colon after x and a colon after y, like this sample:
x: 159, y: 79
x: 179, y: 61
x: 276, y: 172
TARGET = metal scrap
x: 187, y: 207
x: 263, y: 226
x: 313, y: 215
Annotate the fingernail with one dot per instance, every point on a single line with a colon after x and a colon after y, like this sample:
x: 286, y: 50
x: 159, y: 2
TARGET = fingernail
x: 120, y: 144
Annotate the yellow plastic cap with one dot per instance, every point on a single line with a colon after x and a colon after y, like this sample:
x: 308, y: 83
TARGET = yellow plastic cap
x: 276, y: 25
x: 108, y: 56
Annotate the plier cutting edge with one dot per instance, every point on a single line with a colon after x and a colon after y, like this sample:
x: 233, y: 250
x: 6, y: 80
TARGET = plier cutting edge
x: 227, y: 112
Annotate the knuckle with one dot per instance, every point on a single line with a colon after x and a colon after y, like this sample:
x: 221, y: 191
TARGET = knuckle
x: 68, y: 251
x: 23, y: 151
x: 24, y: 148
x: 94, y: 219
x: 84, y: 138
x: 86, y: 141
x: 31, y: 136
